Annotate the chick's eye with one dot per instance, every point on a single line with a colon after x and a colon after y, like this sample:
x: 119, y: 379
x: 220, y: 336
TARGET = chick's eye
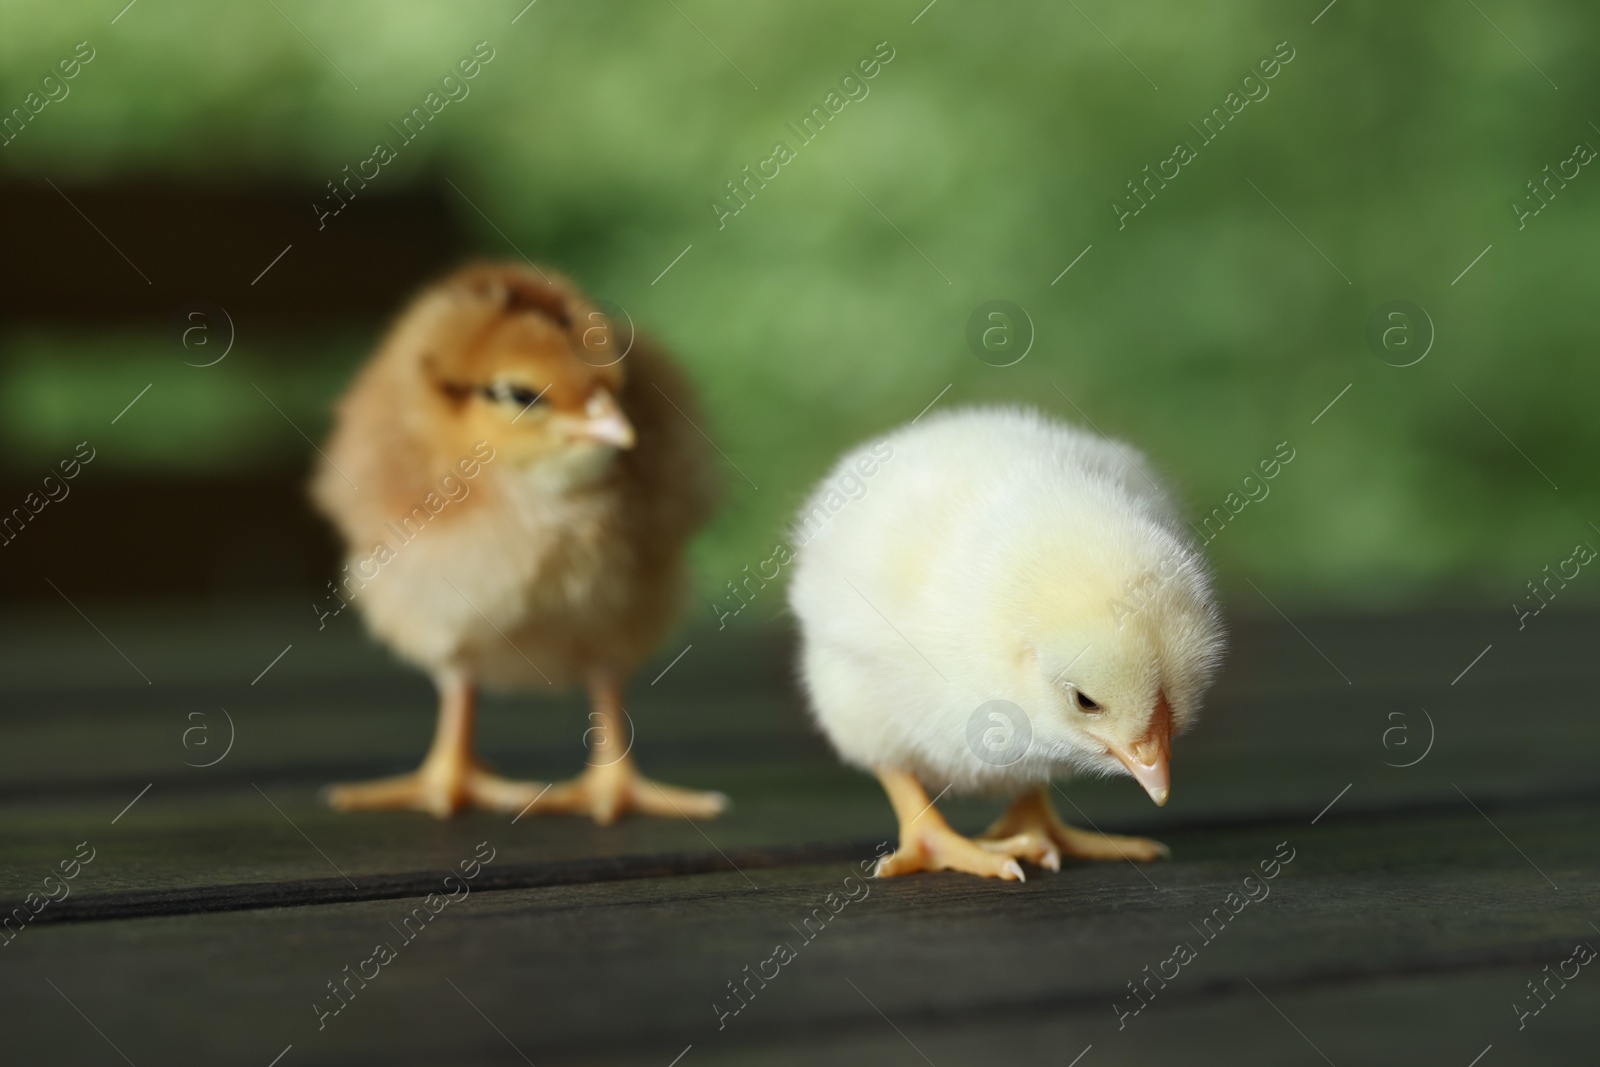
x: 519, y: 395
x: 1083, y: 702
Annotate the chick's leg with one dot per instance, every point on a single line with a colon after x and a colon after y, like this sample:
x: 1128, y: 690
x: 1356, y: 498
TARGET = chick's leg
x: 450, y: 778
x: 1033, y: 815
x: 613, y: 785
x: 927, y: 843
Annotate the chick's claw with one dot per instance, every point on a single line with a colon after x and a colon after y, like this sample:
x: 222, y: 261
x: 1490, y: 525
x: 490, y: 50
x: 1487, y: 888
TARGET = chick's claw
x: 606, y: 791
x: 939, y: 848
x: 1033, y: 815
x: 439, y: 790
x: 1087, y: 845
x: 1034, y: 847
x: 927, y: 843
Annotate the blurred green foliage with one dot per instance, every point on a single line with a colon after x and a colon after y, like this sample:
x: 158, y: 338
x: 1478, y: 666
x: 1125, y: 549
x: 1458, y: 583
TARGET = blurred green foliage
x: 1207, y: 330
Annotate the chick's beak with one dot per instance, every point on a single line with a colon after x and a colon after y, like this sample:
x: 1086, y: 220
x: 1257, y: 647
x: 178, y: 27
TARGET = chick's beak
x: 1146, y: 759
x: 604, y: 422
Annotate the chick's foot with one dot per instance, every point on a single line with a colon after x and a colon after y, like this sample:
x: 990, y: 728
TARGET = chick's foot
x: 936, y: 847
x: 608, y: 790
x: 439, y: 787
x: 451, y: 777
x: 927, y: 843
x: 1033, y: 815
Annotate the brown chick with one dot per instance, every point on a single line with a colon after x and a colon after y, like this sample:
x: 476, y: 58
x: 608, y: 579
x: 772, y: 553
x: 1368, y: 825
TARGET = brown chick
x: 516, y: 493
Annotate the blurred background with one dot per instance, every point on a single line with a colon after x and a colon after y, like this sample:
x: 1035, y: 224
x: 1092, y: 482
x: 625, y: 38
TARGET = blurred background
x: 174, y: 239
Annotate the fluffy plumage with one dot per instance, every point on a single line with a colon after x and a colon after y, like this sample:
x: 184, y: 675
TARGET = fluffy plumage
x: 999, y: 555
x: 569, y: 543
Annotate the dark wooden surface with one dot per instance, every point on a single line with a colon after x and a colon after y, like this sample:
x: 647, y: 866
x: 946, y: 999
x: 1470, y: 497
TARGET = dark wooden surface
x: 218, y: 905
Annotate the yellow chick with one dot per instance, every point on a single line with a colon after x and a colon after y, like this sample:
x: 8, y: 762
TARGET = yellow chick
x: 515, y: 484
x: 999, y: 600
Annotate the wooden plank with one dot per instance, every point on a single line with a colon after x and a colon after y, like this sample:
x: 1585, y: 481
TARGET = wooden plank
x: 1395, y: 1022
x: 601, y: 972
x: 727, y: 717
